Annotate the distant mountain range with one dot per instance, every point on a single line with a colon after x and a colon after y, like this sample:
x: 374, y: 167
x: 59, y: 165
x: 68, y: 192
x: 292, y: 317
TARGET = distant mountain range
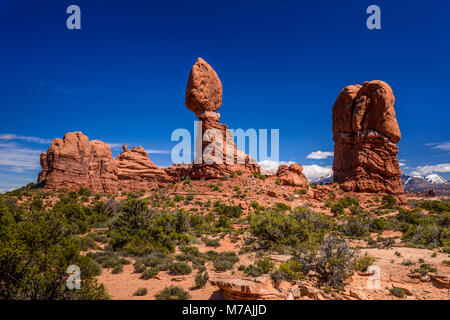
x: 416, y: 183
x: 411, y: 183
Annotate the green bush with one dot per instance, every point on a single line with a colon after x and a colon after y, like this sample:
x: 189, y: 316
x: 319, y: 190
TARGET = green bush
x: 36, y: 247
x: 363, y: 262
x: 291, y: 270
x: 140, y: 292
x: 253, y: 271
x: 337, y: 209
x: 398, y: 292
x: 172, y: 293
x: 215, y: 243
x: 149, y: 273
x: 201, y: 279
x: 177, y: 268
x: 280, y: 231
x: 388, y: 201
x: 333, y: 261
x: 356, y: 227
x: 265, y: 264
x: 225, y: 261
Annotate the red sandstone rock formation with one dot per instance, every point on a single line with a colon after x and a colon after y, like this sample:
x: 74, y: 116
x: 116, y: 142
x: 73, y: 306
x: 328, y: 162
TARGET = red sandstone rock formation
x: 293, y: 176
x: 75, y: 162
x: 204, y: 97
x: 365, y: 132
x: 137, y: 172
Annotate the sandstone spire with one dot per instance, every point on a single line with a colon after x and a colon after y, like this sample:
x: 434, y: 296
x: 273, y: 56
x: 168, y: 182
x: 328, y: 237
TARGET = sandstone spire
x: 365, y: 133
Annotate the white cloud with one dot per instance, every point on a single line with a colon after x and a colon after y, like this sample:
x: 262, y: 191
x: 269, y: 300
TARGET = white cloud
x: 11, y: 136
x: 6, y: 190
x: 320, y: 154
x: 315, y: 171
x: 153, y: 151
x: 425, y: 170
x: 402, y: 164
x: 443, y: 146
x: 15, y: 158
x: 269, y: 165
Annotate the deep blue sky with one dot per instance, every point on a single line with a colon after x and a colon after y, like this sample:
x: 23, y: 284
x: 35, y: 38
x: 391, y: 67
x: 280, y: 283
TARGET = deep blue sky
x: 122, y: 77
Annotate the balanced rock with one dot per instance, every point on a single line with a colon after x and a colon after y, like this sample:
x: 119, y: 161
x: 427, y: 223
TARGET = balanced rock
x: 365, y: 133
x: 217, y: 154
x: 74, y: 162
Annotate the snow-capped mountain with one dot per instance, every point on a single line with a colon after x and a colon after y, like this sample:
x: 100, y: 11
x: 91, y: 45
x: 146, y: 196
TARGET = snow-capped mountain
x: 328, y: 178
x: 435, y: 178
x: 417, y: 183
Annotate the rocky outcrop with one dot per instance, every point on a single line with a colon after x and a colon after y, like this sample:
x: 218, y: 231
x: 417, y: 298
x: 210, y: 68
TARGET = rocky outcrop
x: 74, y: 162
x: 293, y: 176
x: 137, y: 172
x: 218, y: 155
x: 247, y: 289
x: 178, y: 172
x: 365, y: 133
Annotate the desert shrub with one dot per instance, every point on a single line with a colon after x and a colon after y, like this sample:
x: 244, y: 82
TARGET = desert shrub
x: 224, y: 222
x: 139, y: 267
x: 149, y: 273
x: 172, y: 293
x: 138, y: 230
x: 178, y: 198
x: 259, y: 176
x: 215, y: 243
x: 377, y: 225
x: 424, y: 269
x: 435, y: 206
x: 117, y: 269
x: 140, y: 292
x: 211, y: 255
x: 333, y: 261
x: 225, y: 260
x: 408, y: 262
x: 229, y: 211
x: 363, y: 262
x: 36, y: 247
x: 348, y: 201
x: 279, y: 230
x: 398, y: 292
x: 291, y: 270
x: 201, y: 279
x: 428, y: 236
x: 356, y: 227
x: 388, y: 201
x: 265, y: 264
x: 253, y: 271
x: 83, y: 192
x: 107, y: 259
x: 337, y: 209
x: 277, y: 276
x: 255, y: 205
x: 178, y: 268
